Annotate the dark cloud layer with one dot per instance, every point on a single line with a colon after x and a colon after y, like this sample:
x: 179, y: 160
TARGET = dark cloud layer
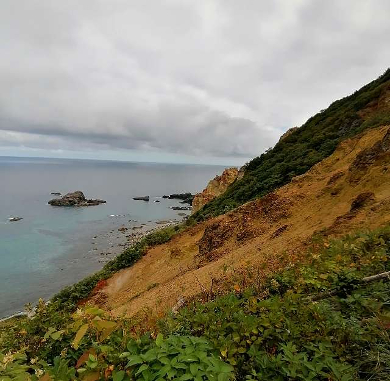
x: 217, y: 78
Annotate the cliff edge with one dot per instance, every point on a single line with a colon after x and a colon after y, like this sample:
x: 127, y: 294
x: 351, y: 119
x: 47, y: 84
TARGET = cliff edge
x: 215, y: 187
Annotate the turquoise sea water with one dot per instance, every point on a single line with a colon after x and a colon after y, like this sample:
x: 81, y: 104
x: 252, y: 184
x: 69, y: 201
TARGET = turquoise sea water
x: 52, y: 247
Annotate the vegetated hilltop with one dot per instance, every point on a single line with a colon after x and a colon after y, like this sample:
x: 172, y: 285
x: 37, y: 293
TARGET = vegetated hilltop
x: 368, y: 107
x: 348, y: 191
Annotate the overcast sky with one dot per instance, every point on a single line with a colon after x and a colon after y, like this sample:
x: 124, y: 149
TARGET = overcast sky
x: 198, y: 81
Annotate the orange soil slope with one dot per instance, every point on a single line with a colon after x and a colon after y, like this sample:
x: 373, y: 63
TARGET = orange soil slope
x: 350, y: 190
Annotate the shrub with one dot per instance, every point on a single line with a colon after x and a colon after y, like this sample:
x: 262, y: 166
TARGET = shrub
x: 96, y: 348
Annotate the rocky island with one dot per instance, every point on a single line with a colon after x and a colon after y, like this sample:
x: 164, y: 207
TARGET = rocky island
x: 141, y: 198
x: 75, y: 199
x: 15, y: 219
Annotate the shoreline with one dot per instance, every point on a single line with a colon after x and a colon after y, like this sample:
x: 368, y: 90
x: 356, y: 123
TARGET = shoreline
x: 13, y: 316
x: 123, y: 237
x: 108, y: 245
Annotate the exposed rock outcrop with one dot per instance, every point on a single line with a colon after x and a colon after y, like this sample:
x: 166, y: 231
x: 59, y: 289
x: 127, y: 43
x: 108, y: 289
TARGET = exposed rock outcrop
x: 377, y: 154
x: 216, y: 187
x: 288, y: 133
x: 75, y: 199
x: 241, y: 173
x: 241, y: 225
x: 362, y: 200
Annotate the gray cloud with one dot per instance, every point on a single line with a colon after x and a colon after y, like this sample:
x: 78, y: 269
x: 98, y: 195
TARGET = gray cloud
x: 206, y: 77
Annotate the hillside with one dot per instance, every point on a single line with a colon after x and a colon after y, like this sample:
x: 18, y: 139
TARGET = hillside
x: 348, y: 191
x: 368, y: 107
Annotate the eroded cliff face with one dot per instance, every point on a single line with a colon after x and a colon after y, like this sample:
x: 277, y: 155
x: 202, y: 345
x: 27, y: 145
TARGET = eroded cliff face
x: 215, y: 188
x: 347, y: 192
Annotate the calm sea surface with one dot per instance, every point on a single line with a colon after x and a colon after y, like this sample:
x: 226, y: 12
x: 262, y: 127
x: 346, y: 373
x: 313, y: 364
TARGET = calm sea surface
x: 52, y: 247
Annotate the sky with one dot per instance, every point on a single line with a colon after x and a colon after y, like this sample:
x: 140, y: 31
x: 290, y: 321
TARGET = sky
x: 201, y: 81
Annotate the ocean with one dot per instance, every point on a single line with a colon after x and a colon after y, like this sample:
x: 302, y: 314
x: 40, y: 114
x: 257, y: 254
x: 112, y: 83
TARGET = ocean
x: 52, y: 247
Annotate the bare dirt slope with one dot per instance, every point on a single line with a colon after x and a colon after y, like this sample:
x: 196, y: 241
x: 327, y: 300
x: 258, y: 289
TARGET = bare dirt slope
x: 348, y: 191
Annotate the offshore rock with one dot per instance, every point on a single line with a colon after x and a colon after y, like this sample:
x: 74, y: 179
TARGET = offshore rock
x: 181, y: 207
x: 185, y: 197
x: 141, y: 198
x: 75, y: 199
x: 15, y: 219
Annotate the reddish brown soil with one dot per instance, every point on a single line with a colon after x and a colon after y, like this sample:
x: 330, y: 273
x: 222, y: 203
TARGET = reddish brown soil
x: 262, y: 236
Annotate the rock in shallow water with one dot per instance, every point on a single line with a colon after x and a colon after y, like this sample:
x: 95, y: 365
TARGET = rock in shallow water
x: 185, y: 197
x: 141, y: 198
x: 181, y: 207
x: 15, y: 219
x: 75, y: 199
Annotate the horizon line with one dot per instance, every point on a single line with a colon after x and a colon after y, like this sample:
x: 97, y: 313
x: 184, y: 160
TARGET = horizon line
x: 113, y: 160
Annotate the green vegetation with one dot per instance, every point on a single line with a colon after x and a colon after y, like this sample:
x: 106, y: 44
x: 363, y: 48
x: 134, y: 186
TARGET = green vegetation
x: 275, y: 332
x: 298, y: 152
x: 94, y: 348
x: 285, y: 336
x: 70, y: 296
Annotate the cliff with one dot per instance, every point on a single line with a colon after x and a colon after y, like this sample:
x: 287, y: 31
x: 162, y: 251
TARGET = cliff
x: 215, y: 188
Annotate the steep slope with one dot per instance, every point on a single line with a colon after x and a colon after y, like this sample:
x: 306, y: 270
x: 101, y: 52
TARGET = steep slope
x: 349, y: 190
x: 300, y: 150
x: 215, y: 187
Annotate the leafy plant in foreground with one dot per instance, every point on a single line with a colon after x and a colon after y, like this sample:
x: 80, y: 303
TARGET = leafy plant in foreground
x: 182, y: 358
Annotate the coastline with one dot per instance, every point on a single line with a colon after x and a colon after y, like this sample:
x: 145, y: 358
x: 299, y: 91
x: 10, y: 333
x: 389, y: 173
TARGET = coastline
x: 52, y: 247
x: 104, y: 247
